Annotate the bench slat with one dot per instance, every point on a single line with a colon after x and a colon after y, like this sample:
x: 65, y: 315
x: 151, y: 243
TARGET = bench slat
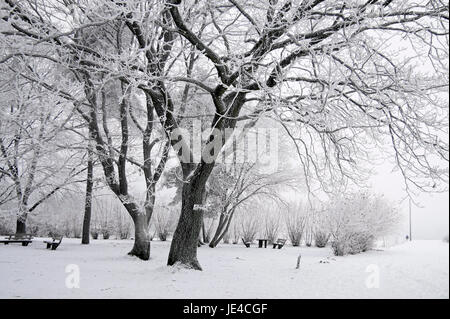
x: 16, y: 241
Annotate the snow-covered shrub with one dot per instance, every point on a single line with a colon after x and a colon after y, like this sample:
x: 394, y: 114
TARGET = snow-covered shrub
x: 235, y: 232
x: 340, y: 246
x: 309, y: 236
x: 271, y: 226
x: 55, y: 233
x: 5, y: 229
x: 226, y: 238
x: 356, y: 221
x: 208, y: 225
x: 309, y: 228
x: 151, y: 231
x: 249, y: 226
x: 296, y: 219
x: 124, y: 231
x: 33, y: 230
x: 164, y: 223
x: 361, y: 242
x: 123, y: 224
x: 106, y: 232
x: 446, y: 239
x: 321, y: 238
x: 76, y: 230
x: 66, y: 228
x: 43, y: 229
x: 6, y: 226
x: 103, y: 210
x: 353, y: 243
x: 316, y: 227
x: 94, y: 233
x: 162, y: 230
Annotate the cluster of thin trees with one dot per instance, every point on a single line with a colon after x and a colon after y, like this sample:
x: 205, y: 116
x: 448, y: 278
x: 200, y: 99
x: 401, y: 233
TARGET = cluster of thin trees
x: 349, y: 224
x: 109, y: 83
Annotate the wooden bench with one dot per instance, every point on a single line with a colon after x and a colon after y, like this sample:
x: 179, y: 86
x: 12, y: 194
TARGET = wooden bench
x: 279, y: 243
x: 246, y: 243
x: 262, y: 243
x: 54, y: 243
x: 24, y: 239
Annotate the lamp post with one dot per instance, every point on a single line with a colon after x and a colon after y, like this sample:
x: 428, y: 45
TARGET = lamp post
x: 410, y: 222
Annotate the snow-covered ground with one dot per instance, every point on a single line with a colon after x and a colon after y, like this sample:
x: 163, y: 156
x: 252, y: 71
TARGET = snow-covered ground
x: 413, y: 270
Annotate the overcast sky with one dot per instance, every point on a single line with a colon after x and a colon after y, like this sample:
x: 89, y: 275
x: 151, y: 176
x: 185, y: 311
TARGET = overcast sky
x: 430, y: 220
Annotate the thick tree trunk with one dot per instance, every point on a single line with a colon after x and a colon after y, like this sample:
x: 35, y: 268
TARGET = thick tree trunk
x: 21, y: 226
x: 141, y: 248
x: 88, y: 200
x: 185, y: 239
x: 184, y: 243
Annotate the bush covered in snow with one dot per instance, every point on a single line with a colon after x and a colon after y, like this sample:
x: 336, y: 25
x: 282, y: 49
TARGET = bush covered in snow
x: 5, y: 229
x: 296, y: 219
x: 6, y: 226
x: 151, y: 231
x: 272, y: 225
x: 356, y: 221
x: 353, y: 243
x: 122, y: 224
x: 321, y: 238
x: 235, y: 232
x: 164, y: 221
x: 94, y: 233
x: 226, y: 238
x: 446, y: 239
x: 106, y: 233
x: 309, y: 229
x: 249, y: 226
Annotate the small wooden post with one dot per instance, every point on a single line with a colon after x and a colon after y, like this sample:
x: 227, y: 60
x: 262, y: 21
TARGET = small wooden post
x: 298, y: 261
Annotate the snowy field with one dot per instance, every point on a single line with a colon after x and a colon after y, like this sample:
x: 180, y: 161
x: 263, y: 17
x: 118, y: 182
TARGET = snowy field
x: 412, y: 270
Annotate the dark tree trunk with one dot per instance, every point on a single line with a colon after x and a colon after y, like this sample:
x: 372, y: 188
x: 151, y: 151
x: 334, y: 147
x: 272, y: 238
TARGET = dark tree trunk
x: 204, y: 232
x: 219, y: 230
x: 141, y: 248
x: 222, y: 229
x: 185, y: 239
x: 21, y: 226
x: 88, y: 200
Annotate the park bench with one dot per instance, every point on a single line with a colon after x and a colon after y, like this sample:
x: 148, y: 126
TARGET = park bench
x: 279, y: 243
x: 54, y: 243
x: 262, y: 243
x: 246, y: 243
x: 24, y: 239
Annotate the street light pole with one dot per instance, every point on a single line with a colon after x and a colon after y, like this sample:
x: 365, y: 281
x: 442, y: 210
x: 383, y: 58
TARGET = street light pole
x: 410, y: 221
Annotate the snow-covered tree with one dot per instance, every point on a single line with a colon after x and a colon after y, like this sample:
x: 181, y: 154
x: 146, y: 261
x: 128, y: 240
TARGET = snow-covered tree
x: 340, y: 77
x: 36, y: 156
x: 241, y: 186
